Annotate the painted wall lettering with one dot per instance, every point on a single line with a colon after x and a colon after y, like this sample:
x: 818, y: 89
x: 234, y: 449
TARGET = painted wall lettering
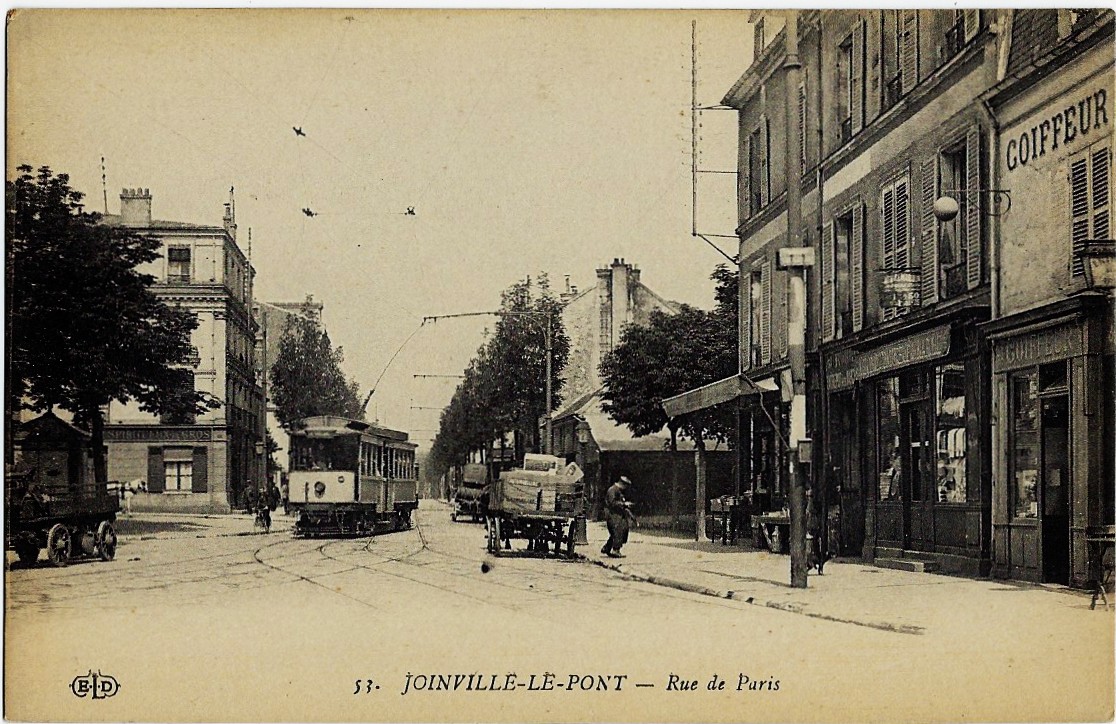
x: 1063, y: 128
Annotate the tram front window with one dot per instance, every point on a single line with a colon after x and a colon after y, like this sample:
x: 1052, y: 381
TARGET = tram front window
x: 323, y: 454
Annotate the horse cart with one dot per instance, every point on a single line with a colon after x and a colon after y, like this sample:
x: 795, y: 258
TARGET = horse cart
x: 470, y: 495
x: 542, y: 503
x: 51, y: 498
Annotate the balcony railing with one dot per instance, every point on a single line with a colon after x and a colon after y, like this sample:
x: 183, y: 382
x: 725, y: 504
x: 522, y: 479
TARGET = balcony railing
x: 178, y: 278
x: 954, y: 281
x: 846, y: 130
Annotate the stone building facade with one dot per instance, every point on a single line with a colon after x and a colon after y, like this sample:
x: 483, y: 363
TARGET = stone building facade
x: 203, y: 463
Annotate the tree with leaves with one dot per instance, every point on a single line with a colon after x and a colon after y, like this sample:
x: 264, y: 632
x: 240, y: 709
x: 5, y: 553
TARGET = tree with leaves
x: 84, y: 326
x: 306, y: 377
x: 672, y: 354
x: 504, y: 388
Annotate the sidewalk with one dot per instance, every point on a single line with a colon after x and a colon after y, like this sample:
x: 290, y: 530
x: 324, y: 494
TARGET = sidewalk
x: 849, y: 591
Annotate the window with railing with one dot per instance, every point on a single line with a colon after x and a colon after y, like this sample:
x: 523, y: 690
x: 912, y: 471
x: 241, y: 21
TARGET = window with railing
x: 893, y: 91
x: 954, y: 40
x: 953, y: 234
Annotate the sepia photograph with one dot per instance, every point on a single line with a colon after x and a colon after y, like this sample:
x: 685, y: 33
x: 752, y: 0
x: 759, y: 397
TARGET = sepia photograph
x: 567, y: 365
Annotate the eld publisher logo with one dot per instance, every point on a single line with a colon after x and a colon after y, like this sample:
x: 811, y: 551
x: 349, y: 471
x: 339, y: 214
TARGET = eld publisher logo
x: 96, y: 686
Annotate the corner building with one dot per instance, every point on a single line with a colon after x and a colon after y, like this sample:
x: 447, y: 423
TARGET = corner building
x: 202, y: 463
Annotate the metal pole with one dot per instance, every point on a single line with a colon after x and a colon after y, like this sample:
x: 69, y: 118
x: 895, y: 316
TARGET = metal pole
x: 548, y: 445
x: 796, y: 311
x: 693, y: 125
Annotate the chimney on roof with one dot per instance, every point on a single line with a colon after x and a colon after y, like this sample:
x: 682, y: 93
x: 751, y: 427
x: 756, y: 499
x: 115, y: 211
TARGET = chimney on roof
x: 230, y: 214
x: 135, y: 207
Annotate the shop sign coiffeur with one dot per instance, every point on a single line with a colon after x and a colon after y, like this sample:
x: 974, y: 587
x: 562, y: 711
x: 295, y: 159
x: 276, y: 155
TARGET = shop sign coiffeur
x: 1063, y: 128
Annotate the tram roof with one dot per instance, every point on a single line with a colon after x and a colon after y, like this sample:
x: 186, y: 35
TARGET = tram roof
x: 328, y: 425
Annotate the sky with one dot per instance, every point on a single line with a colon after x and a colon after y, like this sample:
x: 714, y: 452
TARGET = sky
x: 527, y: 142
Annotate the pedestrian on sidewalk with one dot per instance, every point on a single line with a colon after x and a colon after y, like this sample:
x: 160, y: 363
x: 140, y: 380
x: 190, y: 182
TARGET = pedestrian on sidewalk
x: 620, y: 517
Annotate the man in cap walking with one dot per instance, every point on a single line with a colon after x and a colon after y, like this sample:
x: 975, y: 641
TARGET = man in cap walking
x: 619, y: 517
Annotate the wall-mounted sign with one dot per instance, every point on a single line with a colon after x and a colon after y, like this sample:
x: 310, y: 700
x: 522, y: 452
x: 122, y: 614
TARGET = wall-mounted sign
x: 1061, y: 129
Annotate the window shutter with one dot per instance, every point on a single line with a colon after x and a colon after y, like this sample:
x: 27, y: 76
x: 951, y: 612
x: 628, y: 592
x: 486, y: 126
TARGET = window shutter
x: 200, y: 483
x: 902, y: 224
x: 829, y: 283
x: 1079, y: 210
x: 744, y: 319
x: 765, y: 313
x: 1101, y: 165
x: 973, y: 248
x: 744, y: 173
x: 972, y: 23
x: 856, y: 267
x: 908, y: 49
x: 887, y: 238
x: 856, y: 90
x: 155, y: 473
x: 802, y: 123
x: 780, y: 315
x: 929, y: 261
x: 765, y: 163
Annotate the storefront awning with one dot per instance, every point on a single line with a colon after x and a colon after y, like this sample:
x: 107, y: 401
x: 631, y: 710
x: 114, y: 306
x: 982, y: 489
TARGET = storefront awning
x: 716, y: 393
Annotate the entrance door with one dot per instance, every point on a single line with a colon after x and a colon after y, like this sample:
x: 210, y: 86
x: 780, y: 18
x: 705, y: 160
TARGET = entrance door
x: 1055, y: 490
x: 918, y: 476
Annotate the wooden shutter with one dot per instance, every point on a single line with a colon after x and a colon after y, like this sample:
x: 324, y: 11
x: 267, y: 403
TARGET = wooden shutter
x: 856, y: 87
x: 887, y: 235
x: 744, y: 318
x: 744, y: 173
x: 908, y: 49
x: 856, y: 267
x: 829, y: 283
x: 1079, y: 211
x: 1101, y: 163
x: 156, y: 482
x: 802, y: 123
x: 765, y: 313
x: 929, y: 261
x: 765, y: 163
x: 903, y: 223
x: 973, y: 247
x: 200, y: 481
x: 780, y: 315
x: 972, y: 23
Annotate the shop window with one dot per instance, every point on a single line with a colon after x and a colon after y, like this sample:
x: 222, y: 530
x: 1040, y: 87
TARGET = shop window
x: 950, y: 426
x: 888, y: 455
x: 1053, y: 376
x: 1024, y: 443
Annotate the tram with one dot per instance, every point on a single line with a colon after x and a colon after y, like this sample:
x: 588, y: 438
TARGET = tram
x: 349, y: 477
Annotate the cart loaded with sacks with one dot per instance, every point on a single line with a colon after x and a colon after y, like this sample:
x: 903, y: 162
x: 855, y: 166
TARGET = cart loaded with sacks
x: 542, y: 503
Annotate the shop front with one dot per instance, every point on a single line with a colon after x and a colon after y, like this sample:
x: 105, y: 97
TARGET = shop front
x: 908, y: 445
x: 1053, y: 372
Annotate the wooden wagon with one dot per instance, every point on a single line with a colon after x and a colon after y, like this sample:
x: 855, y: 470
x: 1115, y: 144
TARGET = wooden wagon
x: 51, y: 498
x: 543, y: 503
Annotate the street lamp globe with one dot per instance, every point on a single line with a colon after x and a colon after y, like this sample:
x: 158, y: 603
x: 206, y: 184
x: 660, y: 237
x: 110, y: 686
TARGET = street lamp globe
x: 946, y: 208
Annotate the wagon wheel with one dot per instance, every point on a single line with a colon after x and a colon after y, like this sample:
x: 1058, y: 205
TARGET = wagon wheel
x: 105, y: 541
x: 59, y: 545
x: 28, y: 552
x: 499, y: 533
